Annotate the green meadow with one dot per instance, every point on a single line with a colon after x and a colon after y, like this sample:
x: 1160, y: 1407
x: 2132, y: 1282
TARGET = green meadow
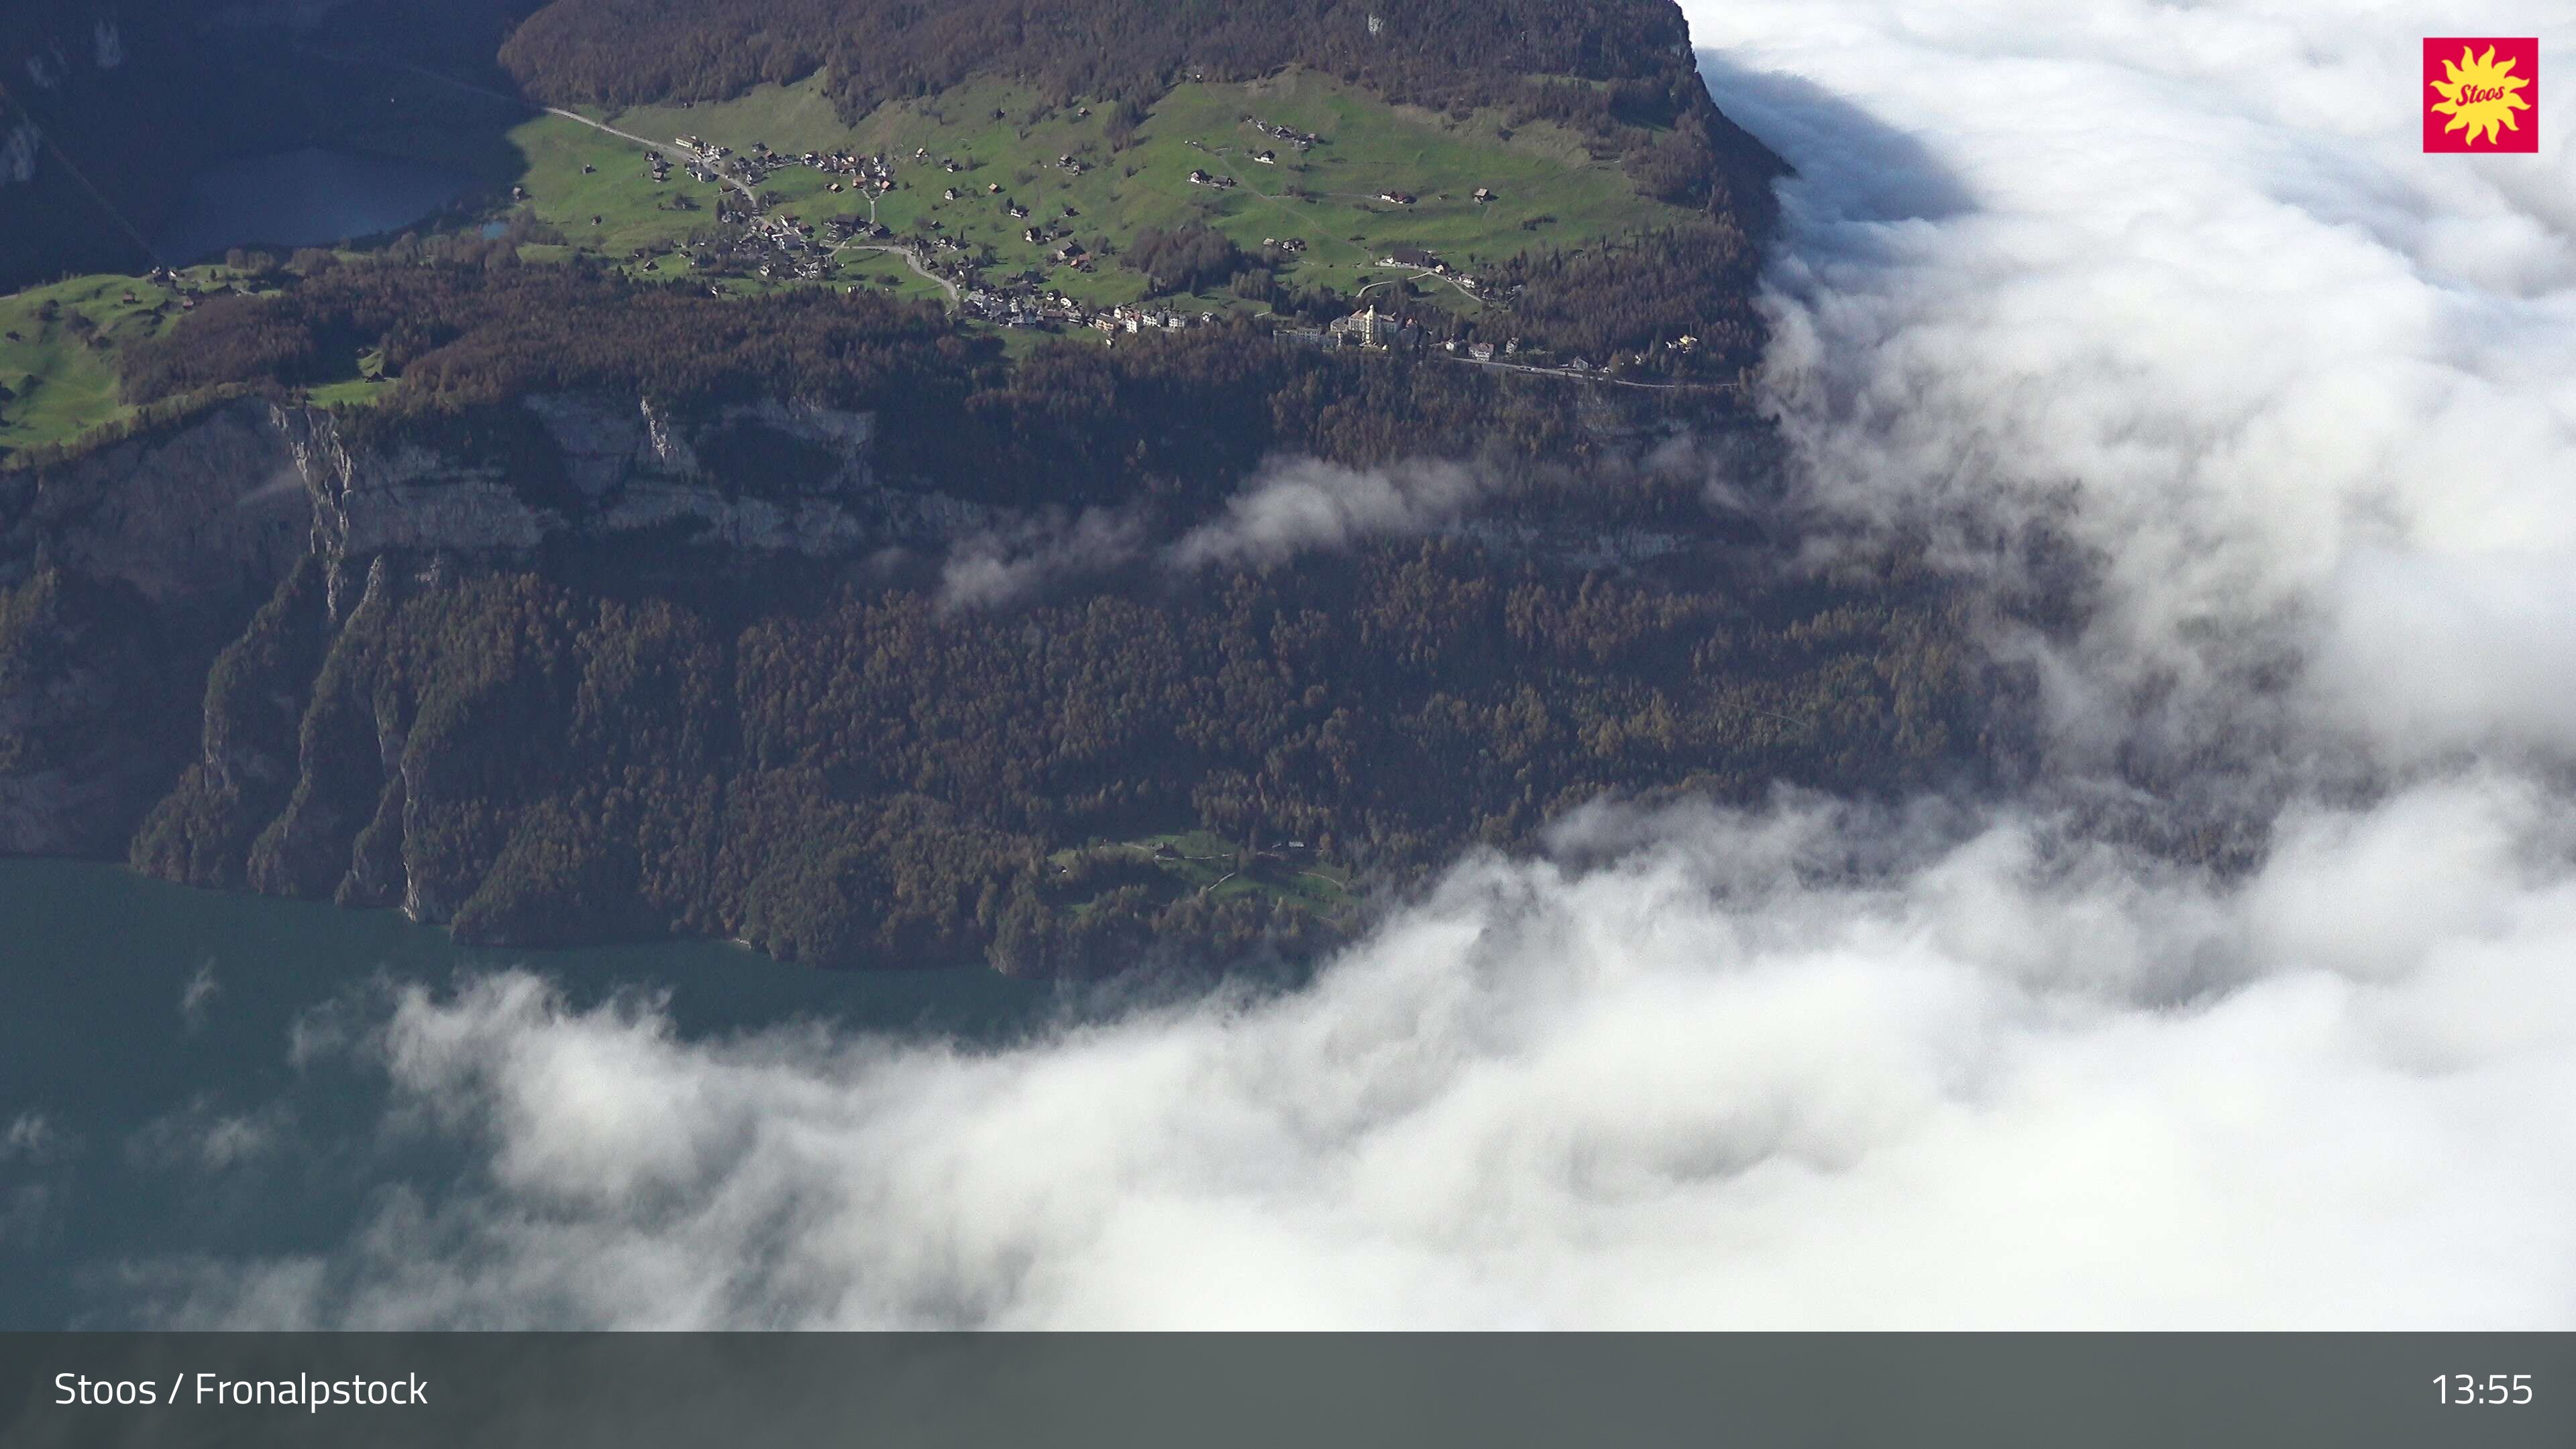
x: 1007, y: 146
x: 1547, y: 189
x: 1200, y: 862
x: 57, y: 354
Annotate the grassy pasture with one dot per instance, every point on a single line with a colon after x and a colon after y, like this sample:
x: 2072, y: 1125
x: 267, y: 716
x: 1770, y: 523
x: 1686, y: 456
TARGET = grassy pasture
x: 1547, y: 189
x: 57, y: 354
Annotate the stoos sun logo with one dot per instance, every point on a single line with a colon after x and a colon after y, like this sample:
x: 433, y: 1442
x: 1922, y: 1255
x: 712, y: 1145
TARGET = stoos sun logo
x: 2481, y: 93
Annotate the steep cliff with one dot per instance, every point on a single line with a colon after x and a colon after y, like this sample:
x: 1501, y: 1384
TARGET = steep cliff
x: 585, y: 667
x: 128, y: 568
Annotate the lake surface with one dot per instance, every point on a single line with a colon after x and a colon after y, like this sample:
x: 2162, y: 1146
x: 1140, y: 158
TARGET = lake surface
x: 133, y: 1013
x: 311, y: 197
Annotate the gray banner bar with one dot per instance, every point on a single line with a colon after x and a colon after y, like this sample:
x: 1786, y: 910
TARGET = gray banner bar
x: 1277, y: 1391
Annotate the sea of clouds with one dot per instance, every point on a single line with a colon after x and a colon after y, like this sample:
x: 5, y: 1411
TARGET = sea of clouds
x: 2172, y: 280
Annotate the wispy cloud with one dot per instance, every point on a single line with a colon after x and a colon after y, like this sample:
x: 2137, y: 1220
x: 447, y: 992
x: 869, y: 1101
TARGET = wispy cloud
x: 198, y: 996
x: 1008, y: 565
x: 1295, y: 505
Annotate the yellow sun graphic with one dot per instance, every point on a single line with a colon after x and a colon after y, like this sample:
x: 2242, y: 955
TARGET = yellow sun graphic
x: 2480, y: 95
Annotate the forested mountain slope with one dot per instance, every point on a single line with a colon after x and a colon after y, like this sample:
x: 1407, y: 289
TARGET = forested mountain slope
x: 504, y: 574
x: 809, y: 621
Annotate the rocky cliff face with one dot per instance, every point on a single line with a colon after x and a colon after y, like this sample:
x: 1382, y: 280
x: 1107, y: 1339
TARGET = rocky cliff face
x: 770, y: 477
x: 168, y: 543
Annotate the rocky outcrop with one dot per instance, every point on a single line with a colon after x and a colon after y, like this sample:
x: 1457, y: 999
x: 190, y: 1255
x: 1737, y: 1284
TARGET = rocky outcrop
x: 768, y: 477
x: 212, y: 509
x: 191, y: 529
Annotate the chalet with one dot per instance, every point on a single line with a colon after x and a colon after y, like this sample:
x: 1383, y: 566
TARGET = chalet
x: 1481, y: 351
x: 1484, y: 193
x: 951, y: 194
x: 1069, y: 211
x: 1016, y: 210
x: 992, y: 188
x: 587, y: 170
x: 1396, y: 198
x: 1266, y: 158
x: 1200, y: 178
x: 1029, y: 234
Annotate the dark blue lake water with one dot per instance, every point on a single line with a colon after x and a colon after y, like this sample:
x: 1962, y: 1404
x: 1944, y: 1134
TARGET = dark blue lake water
x: 133, y: 1012
x: 311, y: 197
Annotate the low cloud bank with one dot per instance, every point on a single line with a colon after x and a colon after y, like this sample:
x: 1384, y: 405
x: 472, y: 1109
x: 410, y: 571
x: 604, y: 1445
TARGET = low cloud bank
x: 2019, y: 1083
x: 2314, y: 392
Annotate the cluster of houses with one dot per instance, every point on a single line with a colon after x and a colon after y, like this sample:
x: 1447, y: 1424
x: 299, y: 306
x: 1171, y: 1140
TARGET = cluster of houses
x: 1026, y: 305
x: 1148, y: 319
x: 1302, y: 140
x: 871, y: 175
x: 776, y: 246
x: 1417, y: 260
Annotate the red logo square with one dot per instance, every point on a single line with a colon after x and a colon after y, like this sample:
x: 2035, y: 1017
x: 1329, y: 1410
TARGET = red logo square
x: 2481, y: 93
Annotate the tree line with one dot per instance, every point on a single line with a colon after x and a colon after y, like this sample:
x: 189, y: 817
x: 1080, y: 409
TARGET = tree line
x: 1174, y: 418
